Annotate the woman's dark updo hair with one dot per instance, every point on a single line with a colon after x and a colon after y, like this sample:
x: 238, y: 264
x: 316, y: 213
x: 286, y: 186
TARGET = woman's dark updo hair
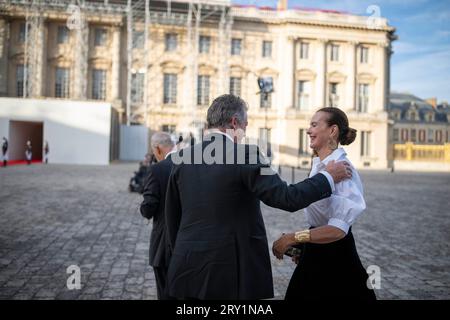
x: 336, y: 116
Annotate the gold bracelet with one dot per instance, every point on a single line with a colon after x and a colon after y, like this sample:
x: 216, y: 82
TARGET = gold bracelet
x: 302, y: 236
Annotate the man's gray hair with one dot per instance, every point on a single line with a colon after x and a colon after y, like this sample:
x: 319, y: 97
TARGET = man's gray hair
x: 162, y: 139
x: 223, y: 109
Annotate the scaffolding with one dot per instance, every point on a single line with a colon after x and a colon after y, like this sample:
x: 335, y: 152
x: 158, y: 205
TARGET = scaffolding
x: 77, y: 22
x: 190, y: 14
x: 32, y: 61
x: 137, y: 16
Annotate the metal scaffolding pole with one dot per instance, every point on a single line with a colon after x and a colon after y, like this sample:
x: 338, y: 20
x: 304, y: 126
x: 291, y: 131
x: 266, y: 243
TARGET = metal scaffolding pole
x: 129, y: 58
x: 147, y: 58
x: 78, y: 23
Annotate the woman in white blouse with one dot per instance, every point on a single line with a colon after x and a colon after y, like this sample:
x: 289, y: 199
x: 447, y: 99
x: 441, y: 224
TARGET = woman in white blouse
x: 329, y: 266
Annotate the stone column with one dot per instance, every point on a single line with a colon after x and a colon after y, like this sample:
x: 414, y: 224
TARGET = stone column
x: 81, y: 66
x: 383, y: 83
x: 4, y: 26
x: 321, y: 73
x: 352, y: 74
x: 41, y: 60
x: 115, y: 72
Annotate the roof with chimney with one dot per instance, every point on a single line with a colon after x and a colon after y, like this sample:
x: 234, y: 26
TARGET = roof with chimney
x: 404, y: 103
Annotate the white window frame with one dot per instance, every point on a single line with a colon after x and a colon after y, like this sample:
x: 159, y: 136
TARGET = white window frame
x: 363, y: 97
x: 303, y: 94
x: 304, y: 50
x: 366, y: 137
x: 170, y: 83
x: 99, y: 89
x: 203, y: 90
x: 236, y: 86
x: 62, y: 82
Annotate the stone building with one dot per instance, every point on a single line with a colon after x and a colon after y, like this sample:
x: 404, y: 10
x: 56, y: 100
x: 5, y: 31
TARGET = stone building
x: 161, y: 63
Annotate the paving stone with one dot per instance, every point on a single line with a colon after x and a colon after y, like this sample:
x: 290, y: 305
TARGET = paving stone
x: 54, y: 216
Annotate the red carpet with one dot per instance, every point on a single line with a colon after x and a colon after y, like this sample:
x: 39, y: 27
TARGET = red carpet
x: 20, y: 162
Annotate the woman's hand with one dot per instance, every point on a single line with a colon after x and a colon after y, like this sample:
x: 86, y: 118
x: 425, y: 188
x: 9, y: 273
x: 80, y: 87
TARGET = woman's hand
x: 282, y: 244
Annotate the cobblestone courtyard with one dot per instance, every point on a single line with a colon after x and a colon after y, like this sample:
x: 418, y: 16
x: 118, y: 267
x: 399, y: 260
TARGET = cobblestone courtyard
x: 55, y: 216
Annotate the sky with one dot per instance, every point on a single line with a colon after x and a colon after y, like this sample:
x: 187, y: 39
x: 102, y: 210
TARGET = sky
x: 421, y: 61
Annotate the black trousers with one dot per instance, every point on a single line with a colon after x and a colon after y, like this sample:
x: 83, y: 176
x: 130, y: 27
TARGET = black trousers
x: 330, y: 271
x: 161, y: 282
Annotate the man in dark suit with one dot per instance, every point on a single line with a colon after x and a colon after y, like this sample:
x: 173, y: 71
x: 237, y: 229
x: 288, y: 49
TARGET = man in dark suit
x: 153, y: 207
x: 213, y: 215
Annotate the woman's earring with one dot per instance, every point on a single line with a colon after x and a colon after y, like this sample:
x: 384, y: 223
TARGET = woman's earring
x: 332, y: 144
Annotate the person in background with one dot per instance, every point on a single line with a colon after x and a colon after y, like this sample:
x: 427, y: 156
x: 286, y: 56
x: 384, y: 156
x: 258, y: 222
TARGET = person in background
x: 153, y: 207
x: 28, y: 152
x: 46, y: 151
x: 5, y: 152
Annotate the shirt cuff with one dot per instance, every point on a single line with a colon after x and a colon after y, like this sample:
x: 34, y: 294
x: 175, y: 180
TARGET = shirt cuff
x: 330, y: 179
x: 340, y: 224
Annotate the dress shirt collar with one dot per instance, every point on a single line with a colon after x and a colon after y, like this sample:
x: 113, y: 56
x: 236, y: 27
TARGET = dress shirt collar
x: 335, y: 155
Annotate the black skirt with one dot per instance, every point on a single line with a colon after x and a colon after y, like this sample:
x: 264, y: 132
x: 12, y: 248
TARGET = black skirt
x: 330, y: 271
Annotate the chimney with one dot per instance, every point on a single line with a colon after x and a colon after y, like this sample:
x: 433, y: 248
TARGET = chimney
x: 282, y: 5
x: 432, y: 101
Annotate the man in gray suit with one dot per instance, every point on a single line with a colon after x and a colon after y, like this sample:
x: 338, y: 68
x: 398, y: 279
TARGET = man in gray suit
x: 213, y: 214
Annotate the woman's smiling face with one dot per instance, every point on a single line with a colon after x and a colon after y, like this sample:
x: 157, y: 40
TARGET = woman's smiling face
x: 319, y: 131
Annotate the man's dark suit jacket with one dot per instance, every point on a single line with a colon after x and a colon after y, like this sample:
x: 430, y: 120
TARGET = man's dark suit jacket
x: 153, y: 207
x: 214, y: 221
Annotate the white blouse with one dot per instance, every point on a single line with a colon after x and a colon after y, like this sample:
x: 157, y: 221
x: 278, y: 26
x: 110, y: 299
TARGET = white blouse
x: 345, y: 204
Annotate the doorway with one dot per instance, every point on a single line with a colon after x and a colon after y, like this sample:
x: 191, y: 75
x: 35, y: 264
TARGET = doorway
x: 19, y: 133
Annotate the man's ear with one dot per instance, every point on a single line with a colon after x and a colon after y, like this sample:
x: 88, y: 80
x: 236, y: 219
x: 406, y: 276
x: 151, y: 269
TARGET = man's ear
x: 234, y: 123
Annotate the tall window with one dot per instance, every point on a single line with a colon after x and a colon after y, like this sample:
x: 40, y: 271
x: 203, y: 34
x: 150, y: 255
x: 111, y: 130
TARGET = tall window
x: 264, y: 141
x: 267, y: 49
x: 438, y: 137
x: 363, y: 97
x: 405, y: 135
x: 169, y: 128
x: 138, y: 39
x: 430, y: 135
x: 203, y: 90
x: 204, y: 44
x: 63, y: 34
x: 19, y: 79
x: 334, y: 52
x: 364, y: 55
x: 430, y: 117
x: 21, y: 35
x: 235, y: 86
x: 334, y: 94
x: 303, y: 94
x: 365, y: 143
x: 171, y: 41
x: 236, y: 47
x: 304, y: 50
x: 62, y: 82
x: 137, y: 87
x: 396, y: 137
x: 413, y: 135
x: 421, y: 135
x: 303, y: 142
x: 100, y: 37
x: 170, y: 88
x: 98, y: 84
